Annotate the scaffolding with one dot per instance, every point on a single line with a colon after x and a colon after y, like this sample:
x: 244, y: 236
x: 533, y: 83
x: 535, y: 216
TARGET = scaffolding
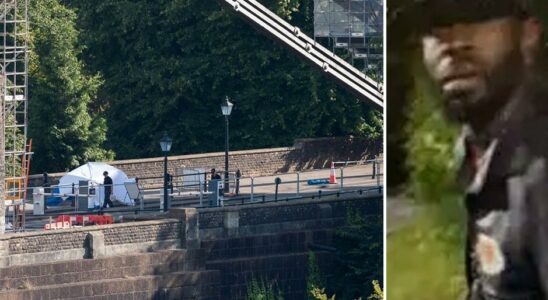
x: 353, y: 25
x: 13, y: 71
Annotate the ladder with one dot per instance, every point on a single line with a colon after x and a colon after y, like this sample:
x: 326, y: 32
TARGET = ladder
x: 16, y: 191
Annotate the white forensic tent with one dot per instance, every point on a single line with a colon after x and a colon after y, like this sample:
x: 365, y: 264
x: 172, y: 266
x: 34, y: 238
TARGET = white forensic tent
x: 93, y: 173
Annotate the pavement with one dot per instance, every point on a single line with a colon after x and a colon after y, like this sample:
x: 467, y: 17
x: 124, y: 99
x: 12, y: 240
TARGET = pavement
x: 355, y: 178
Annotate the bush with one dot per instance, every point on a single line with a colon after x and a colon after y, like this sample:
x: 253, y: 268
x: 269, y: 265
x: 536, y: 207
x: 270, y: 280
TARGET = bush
x: 360, y: 255
x: 261, y: 290
x: 314, y: 280
x: 431, y: 158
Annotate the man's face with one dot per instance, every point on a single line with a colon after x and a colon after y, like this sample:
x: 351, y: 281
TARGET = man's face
x: 473, y: 63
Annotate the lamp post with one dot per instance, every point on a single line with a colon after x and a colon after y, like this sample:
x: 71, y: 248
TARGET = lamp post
x: 165, y: 143
x: 226, y: 108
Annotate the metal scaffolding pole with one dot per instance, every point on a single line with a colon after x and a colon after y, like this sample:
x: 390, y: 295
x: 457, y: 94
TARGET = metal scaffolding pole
x: 14, y: 80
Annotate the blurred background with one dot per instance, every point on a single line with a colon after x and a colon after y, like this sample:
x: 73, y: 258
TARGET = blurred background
x: 425, y: 238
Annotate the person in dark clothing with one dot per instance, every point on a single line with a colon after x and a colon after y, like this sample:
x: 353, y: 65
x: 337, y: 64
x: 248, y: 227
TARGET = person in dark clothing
x: 486, y: 58
x: 45, y: 177
x: 238, y: 176
x: 47, y: 188
x: 108, y: 190
x: 215, y: 175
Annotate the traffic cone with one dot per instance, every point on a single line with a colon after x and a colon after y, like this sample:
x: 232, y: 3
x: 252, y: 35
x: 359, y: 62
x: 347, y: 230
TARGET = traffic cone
x: 332, y: 178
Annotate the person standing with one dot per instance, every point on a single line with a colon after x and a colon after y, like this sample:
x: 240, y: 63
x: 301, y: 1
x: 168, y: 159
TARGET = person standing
x: 215, y: 175
x: 107, y: 183
x: 47, y: 189
x: 238, y: 176
x: 487, y: 59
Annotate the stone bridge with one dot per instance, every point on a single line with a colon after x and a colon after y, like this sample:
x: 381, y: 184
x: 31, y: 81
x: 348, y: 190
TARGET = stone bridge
x: 186, y: 253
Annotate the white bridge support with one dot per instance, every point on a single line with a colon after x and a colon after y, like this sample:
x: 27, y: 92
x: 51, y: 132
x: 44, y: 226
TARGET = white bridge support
x: 290, y: 36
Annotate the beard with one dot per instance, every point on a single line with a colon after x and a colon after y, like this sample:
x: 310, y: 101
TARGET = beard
x: 479, y: 101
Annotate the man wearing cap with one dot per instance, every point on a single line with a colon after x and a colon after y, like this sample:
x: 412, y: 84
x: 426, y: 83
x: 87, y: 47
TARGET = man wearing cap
x: 486, y: 58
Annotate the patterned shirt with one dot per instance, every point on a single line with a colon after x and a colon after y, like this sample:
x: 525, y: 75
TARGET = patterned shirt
x: 505, y: 175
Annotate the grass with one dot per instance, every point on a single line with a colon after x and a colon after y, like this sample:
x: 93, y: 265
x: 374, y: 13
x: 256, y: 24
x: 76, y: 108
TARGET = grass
x: 425, y: 259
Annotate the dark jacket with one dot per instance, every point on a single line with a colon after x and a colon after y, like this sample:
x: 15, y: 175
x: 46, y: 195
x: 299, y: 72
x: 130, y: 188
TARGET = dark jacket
x: 108, y: 184
x: 507, y: 203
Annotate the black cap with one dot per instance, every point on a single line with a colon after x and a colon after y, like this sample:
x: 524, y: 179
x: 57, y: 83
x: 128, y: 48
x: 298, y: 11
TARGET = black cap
x: 424, y: 14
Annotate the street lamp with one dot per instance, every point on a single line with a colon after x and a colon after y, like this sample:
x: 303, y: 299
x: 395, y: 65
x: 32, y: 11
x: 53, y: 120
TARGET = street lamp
x: 226, y: 108
x: 165, y: 143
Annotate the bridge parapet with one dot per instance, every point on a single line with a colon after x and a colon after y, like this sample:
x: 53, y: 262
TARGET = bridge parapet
x: 306, y: 154
x: 271, y: 218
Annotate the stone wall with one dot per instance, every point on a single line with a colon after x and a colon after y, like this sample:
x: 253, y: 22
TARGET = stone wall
x: 281, y: 258
x: 270, y: 218
x: 287, y: 272
x: 46, y: 242
x: 272, y: 241
x: 141, y: 233
x: 171, y: 274
x: 304, y: 155
x: 268, y: 240
x: 74, y: 243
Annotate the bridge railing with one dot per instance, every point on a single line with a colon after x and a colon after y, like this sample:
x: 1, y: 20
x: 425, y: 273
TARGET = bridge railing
x: 352, y: 178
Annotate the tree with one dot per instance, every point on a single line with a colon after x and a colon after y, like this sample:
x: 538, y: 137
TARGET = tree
x: 360, y: 255
x: 168, y: 64
x: 66, y: 132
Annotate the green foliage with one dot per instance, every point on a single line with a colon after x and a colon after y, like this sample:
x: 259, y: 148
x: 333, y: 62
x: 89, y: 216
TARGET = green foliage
x: 261, y: 290
x: 426, y: 258
x: 14, y: 139
x: 319, y: 294
x: 315, y: 282
x: 378, y: 294
x: 359, y: 257
x: 167, y: 65
x: 65, y: 130
x: 430, y: 145
x: 314, y: 279
x: 370, y: 125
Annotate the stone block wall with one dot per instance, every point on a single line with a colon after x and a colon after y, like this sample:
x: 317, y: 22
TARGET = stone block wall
x: 46, y: 242
x: 250, y: 163
x: 270, y: 218
x: 272, y: 240
x: 173, y: 274
x: 269, y: 240
x: 74, y: 243
x: 287, y: 273
x: 239, y: 247
x: 144, y: 233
